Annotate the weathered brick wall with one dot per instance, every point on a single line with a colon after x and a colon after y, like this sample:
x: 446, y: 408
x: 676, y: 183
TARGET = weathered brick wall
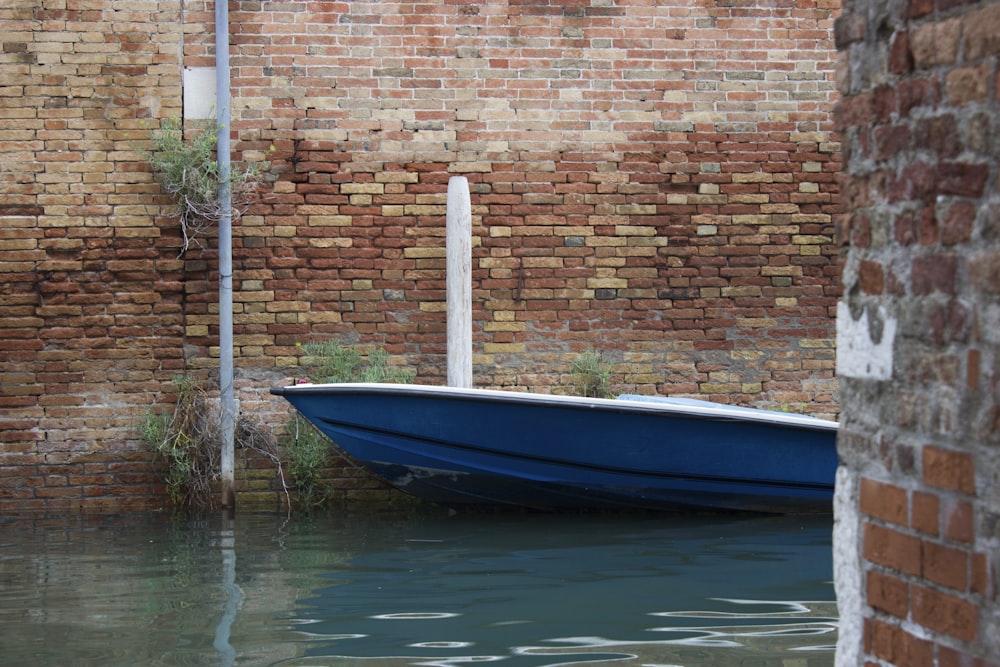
x: 91, y: 302
x: 653, y: 180
x: 919, y: 497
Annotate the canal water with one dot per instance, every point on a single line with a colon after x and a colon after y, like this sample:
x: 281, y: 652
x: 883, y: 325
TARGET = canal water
x: 381, y: 591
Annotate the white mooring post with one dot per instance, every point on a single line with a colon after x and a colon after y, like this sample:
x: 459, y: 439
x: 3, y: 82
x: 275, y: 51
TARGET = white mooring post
x: 227, y: 400
x: 458, y: 244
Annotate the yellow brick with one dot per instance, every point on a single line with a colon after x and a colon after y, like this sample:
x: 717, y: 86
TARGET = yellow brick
x: 250, y: 297
x: 604, y: 241
x: 634, y: 230
x: 330, y: 242
x: 503, y: 348
x: 318, y: 209
x: 321, y: 317
x: 778, y: 208
x: 362, y: 188
x: 396, y: 177
x: 470, y: 167
x: 719, y: 388
x: 543, y: 262
x: 772, y: 271
x: 574, y: 231
x: 754, y: 177
x: 752, y: 219
x: 814, y: 137
x: 423, y: 209
x: 504, y: 326
x: 810, y: 239
x: 749, y: 199
x: 423, y: 253
x: 433, y: 306
x: 606, y: 283
x: 635, y: 209
x: 756, y: 322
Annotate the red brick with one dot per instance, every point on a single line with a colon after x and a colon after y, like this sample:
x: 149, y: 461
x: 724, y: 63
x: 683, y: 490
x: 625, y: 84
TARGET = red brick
x: 888, y: 593
x: 982, y: 581
x: 934, y: 273
x: 891, y: 140
x: 959, y: 521
x: 896, y: 646
x: 900, y: 57
x: 949, y: 657
x: 918, y: 8
x: 957, y: 225
x: 945, y: 565
x: 944, y: 613
x: 961, y: 179
x: 891, y: 548
x: 884, y: 501
x: 949, y: 469
x: 925, y: 513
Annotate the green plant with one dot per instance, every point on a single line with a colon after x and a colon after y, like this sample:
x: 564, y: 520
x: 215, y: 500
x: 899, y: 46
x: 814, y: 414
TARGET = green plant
x: 329, y: 361
x: 188, y: 440
x: 592, y: 374
x: 182, y: 439
x: 188, y: 170
x: 308, y: 454
x: 307, y: 450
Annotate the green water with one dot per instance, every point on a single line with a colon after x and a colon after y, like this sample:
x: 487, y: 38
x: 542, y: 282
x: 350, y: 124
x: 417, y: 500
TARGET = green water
x: 523, y: 591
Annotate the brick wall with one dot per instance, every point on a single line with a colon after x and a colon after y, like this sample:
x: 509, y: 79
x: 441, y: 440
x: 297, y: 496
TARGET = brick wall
x: 919, y: 499
x: 653, y: 180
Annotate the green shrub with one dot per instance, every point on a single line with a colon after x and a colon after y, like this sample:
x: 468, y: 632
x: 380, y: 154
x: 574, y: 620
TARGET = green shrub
x: 307, y: 450
x: 329, y: 361
x: 188, y: 439
x: 183, y: 438
x: 592, y: 374
x: 189, y: 171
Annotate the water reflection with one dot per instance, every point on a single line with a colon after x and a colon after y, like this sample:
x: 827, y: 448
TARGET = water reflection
x: 525, y: 590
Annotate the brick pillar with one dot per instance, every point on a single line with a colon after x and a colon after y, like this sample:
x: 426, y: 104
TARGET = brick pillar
x: 918, y: 507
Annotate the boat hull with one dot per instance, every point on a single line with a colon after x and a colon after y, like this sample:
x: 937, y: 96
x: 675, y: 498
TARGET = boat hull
x: 458, y: 446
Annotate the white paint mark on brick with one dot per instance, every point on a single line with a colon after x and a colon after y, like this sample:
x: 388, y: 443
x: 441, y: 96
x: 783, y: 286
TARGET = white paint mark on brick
x: 199, y: 92
x: 858, y: 355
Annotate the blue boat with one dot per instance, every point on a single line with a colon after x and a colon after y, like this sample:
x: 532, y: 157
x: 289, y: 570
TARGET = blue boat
x: 486, y: 447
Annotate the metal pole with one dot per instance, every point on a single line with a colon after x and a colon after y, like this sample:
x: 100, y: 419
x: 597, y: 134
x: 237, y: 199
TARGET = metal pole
x: 458, y: 282
x: 227, y: 402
